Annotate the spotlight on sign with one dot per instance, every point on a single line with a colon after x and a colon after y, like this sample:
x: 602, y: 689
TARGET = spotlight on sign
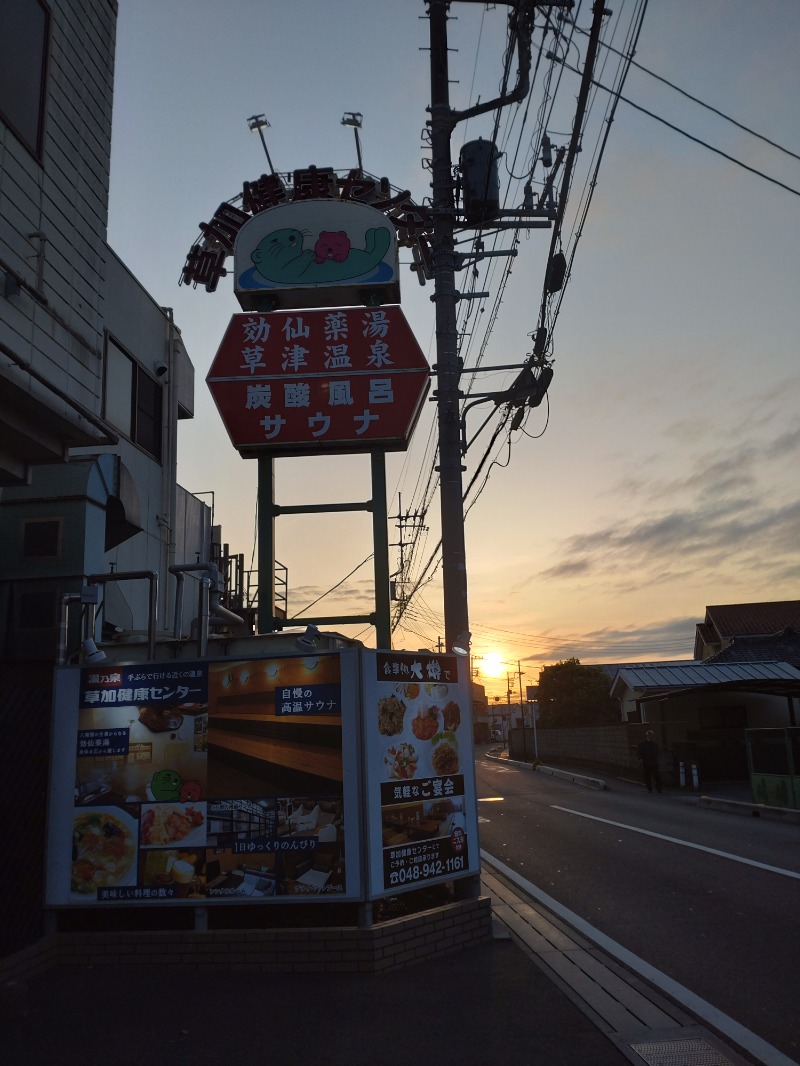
x: 461, y: 643
x: 308, y: 640
x: 91, y: 653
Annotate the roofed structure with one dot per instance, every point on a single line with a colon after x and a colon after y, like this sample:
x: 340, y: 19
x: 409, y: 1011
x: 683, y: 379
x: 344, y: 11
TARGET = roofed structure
x: 776, y: 647
x: 724, y: 622
x: 651, y: 681
x: 612, y: 669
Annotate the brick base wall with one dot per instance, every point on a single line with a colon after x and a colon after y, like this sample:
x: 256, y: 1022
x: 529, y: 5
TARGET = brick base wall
x: 378, y: 948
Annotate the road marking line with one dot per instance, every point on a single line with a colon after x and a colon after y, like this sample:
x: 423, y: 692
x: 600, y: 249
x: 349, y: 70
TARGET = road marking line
x: 745, y: 1038
x: 683, y: 843
x: 494, y: 767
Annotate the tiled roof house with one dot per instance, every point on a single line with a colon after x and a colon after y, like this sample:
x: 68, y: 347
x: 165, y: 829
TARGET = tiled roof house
x: 725, y: 622
x: 783, y: 647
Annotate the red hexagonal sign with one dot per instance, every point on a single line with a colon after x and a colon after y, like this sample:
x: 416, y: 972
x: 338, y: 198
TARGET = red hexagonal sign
x: 339, y: 380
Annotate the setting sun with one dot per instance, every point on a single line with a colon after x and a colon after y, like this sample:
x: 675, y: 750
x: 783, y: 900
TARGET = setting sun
x: 491, y: 665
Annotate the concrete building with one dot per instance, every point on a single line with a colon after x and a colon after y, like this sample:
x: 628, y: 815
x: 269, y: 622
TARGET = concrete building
x: 94, y: 381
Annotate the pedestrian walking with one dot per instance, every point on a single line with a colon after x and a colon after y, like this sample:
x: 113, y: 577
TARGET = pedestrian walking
x: 649, y: 754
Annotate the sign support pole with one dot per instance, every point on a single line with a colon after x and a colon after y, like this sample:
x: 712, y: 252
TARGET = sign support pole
x: 380, y: 538
x: 266, y: 544
x: 267, y: 512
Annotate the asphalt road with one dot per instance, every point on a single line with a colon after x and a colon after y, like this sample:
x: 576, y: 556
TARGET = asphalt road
x: 725, y: 926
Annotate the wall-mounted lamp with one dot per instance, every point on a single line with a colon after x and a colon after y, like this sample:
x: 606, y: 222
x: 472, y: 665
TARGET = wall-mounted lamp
x: 461, y: 643
x: 308, y: 641
x: 90, y: 653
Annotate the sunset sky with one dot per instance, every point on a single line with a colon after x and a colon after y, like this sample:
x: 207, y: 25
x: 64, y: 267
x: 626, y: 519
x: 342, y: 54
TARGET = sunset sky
x: 662, y: 475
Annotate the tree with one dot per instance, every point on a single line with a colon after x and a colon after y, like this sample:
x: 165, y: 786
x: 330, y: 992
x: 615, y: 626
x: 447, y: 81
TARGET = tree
x: 572, y: 695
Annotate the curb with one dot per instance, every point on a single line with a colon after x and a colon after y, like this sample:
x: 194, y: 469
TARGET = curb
x: 755, y: 810
x: 566, y: 775
x: 578, y: 779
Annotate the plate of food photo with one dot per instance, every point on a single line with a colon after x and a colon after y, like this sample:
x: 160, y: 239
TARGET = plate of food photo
x: 425, y: 723
x: 103, y: 850
x: 164, y: 825
x: 444, y: 754
x: 391, y: 712
x: 451, y: 716
x: 401, y: 761
x: 409, y: 689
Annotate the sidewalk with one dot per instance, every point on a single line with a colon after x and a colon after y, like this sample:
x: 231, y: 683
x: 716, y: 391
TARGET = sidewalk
x: 536, y: 993
x: 543, y: 996
x: 487, y: 1005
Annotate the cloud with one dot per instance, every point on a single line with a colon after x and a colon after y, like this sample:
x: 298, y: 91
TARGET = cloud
x: 569, y: 568
x: 705, y: 536
x: 666, y: 639
x: 723, y: 512
x: 352, y: 597
x: 784, y: 446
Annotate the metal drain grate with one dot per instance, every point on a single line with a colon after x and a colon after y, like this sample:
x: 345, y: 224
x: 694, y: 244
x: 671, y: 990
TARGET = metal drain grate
x: 681, y: 1053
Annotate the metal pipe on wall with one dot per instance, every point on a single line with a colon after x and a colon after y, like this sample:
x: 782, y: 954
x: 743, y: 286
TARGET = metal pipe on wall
x: 152, y: 609
x: 209, y: 599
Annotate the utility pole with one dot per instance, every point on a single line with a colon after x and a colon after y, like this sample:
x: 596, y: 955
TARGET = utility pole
x: 414, y: 521
x: 442, y: 123
x: 448, y: 367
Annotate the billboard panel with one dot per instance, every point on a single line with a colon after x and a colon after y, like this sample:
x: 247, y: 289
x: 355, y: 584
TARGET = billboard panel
x: 316, y: 253
x: 205, y: 781
x: 337, y: 381
x: 420, y: 776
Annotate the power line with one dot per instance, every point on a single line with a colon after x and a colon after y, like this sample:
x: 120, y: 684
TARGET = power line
x: 336, y: 586
x: 710, y: 147
x: 695, y: 100
x: 617, y: 96
x: 691, y: 137
x: 600, y: 148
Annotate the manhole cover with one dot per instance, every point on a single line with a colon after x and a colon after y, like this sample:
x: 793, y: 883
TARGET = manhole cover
x: 681, y: 1053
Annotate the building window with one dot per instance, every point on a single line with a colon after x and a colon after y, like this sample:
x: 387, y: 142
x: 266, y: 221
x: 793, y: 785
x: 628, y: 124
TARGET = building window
x: 147, y: 413
x: 41, y: 538
x: 24, y: 34
x: 133, y: 400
